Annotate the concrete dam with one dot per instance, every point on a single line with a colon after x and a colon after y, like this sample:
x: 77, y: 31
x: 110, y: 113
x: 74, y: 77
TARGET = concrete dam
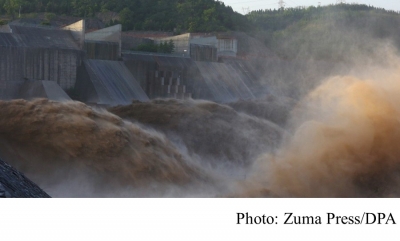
x: 94, y: 68
x: 68, y: 63
x: 82, y: 115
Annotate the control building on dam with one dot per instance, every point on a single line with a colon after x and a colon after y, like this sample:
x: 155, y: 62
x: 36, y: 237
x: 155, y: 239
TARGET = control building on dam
x: 32, y: 53
x: 95, y: 67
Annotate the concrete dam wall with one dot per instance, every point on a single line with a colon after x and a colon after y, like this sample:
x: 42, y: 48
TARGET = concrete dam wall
x: 20, y: 63
x: 37, y: 54
x: 159, y: 74
x: 108, y: 83
x: 42, y: 89
x: 225, y: 83
x: 102, y: 50
x: 43, y: 54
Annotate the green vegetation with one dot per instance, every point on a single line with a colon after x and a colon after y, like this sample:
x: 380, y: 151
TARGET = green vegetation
x: 335, y: 32
x: 163, y: 47
x: 10, y: 7
x: 323, y: 33
x: 179, y: 15
x: 49, y: 16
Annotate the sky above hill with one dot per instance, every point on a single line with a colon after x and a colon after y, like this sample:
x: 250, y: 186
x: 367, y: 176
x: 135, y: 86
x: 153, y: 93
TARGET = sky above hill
x: 243, y: 6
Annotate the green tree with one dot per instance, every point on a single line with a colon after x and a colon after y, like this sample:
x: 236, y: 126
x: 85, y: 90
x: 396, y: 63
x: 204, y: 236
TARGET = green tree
x: 185, y: 15
x: 85, y: 8
x: 127, y: 17
x: 11, y: 7
x: 147, y: 47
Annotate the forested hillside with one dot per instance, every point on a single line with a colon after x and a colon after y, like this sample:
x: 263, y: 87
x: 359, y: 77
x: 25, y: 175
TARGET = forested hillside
x: 178, y: 15
x: 335, y: 32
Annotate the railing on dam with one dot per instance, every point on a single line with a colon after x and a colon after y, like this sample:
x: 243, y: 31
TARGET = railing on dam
x: 156, y: 54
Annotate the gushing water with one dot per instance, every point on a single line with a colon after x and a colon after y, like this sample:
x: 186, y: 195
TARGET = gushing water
x: 341, y: 140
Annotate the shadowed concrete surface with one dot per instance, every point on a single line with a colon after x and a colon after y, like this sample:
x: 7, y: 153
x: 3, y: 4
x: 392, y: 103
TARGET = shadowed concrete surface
x: 38, y: 54
x: 15, y: 184
x: 224, y: 82
x: 44, y: 37
x: 104, y: 43
x: 43, y: 89
x: 108, y: 83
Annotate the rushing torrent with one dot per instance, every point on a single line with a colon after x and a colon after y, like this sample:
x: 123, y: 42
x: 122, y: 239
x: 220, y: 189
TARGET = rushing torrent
x: 71, y: 149
x: 343, y: 143
x: 341, y: 140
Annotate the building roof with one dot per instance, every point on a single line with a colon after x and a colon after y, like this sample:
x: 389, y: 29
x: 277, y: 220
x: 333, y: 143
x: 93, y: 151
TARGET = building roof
x: 24, y: 36
x: 8, y: 39
x: 110, y: 34
x: 41, y: 37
